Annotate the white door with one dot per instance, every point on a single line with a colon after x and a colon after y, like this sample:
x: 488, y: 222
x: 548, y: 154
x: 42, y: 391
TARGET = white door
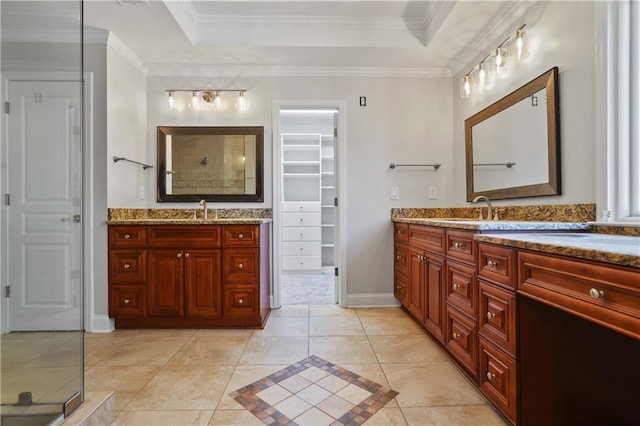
x: 44, y: 222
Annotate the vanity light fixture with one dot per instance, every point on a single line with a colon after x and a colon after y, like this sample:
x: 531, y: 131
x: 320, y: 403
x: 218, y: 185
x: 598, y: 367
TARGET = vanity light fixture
x: 202, y: 97
x: 494, y: 63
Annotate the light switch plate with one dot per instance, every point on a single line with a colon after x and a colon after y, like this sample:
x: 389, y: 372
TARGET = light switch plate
x: 395, y: 193
x: 433, y: 192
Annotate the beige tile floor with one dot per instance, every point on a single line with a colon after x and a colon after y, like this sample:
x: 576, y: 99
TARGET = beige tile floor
x: 184, y: 377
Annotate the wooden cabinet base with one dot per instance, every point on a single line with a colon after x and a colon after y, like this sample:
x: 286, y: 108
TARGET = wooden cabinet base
x: 191, y: 322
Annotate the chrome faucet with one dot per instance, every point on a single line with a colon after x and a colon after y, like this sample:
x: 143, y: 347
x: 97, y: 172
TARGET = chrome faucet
x: 489, y: 208
x: 203, y: 203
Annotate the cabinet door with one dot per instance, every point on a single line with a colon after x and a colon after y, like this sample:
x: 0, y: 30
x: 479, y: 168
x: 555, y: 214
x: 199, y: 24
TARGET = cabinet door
x: 127, y: 301
x: 417, y: 283
x: 127, y: 266
x: 434, y: 309
x: 166, y: 283
x: 202, y: 283
x: 241, y: 266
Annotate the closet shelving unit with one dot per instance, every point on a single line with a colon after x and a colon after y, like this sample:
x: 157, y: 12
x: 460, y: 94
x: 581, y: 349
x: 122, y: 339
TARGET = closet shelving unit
x: 328, y: 193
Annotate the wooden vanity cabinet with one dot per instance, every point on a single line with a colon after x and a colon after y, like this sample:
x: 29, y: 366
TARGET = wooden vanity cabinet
x: 189, y: 275
x: 461, y: 299
x: 426, y: 277
x: 497, y: 327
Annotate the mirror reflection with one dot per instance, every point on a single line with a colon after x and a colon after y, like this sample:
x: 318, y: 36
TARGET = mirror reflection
x: 513, y: 145
x: 211, y: 163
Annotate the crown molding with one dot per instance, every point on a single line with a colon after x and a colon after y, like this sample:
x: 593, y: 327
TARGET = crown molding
x: 208, y: 70
x: 485, y: 42
x: 116, y: 44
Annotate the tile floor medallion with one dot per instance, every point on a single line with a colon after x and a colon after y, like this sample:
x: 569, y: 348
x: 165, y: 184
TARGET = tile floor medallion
x: 313, y: 391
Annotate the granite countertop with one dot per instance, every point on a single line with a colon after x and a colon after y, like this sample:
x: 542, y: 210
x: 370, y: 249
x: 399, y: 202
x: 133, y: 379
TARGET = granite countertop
x: 177, y: 221
x: 616, y: 249
x: 498, y: 225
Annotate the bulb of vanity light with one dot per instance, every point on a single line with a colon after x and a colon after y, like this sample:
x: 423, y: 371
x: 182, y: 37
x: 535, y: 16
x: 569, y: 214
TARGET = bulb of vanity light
x: 482, y: 75
x: 466, y: 86
x: 500, y: 59
x: 194, y: 101
x: 242, y: 104
x: 519, y: 43
x: 172, y: 102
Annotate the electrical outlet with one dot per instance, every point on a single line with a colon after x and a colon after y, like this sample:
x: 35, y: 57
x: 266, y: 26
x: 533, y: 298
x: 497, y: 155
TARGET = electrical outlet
x: 433, y: 192
x: 395, y: 193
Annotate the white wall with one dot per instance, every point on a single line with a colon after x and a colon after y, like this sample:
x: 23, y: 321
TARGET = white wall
x: 407, y: 120
x: 559, y: 34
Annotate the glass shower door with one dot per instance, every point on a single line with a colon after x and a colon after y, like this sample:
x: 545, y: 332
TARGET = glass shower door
x: 41, y: 314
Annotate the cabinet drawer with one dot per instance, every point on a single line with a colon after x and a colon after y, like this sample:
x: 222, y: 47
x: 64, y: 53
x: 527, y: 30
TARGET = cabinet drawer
x: 301, y: 263
x: 461, y: 246
x: 427, y: 237
x: 127, y: 236
x: 127, y: 266
x: 400, y: 288
x: 462, y: 287
x: 127, y: 301
x: 240, y: 235
x: 241, y: 301
x: 401, y: 232
x: 606, y: 295
x: 301, y: 207
x: 302, y: 233
x: 301, y: 219
x: 461, y: 338
x: 497, y: 376
x: 301, y: 248
x: 400, y: 259
x: 240, y: 265
x: 194, y: 236
x: 497, y: 264
x: 497, y: 320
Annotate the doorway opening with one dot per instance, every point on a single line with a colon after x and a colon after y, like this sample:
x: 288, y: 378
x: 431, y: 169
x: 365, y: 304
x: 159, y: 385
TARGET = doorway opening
x: 306, y: 216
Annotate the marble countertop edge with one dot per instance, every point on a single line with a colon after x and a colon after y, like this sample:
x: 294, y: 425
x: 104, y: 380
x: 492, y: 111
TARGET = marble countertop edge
x: 219, y: 221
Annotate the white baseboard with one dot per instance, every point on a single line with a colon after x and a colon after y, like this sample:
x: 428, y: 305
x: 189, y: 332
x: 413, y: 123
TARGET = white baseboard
x: 373, y: 300
x: 101, y: 324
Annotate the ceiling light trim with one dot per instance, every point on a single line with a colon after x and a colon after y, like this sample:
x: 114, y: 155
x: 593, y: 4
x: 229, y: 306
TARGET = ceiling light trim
x: 238, y: 71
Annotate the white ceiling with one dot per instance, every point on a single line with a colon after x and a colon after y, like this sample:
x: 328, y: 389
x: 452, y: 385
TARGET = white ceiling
x: 430, y: 37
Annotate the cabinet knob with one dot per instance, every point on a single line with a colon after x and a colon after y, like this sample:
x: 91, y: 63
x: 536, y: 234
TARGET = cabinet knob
x: 596, y: 294
x: 398, y: 257
x: 458, y: 245
x: 301, y: 235
x: 398, y: 287
x: 179, y: 255
x: 127, y: 236
x: 126, y: 266
x: 240, y: 301
x: 127, y: 301
x: 490, y: 376
x: 186, y: 255
x: 301, y: 249
x: 456, y: 335
x: 455, y: 286
x: 492, y: 263
x: 240, y: 236
x: 301, y: 220
x: 490, y: 315
x: 240, y: 266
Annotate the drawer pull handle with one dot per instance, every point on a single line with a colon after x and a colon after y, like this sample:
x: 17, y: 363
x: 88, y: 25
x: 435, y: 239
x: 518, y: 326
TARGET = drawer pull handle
x: 456, y: 335
x: 458, y: 245
x: 179, y: 255
x: 127, y: 301
x: 240, y: 266
x: 240, y: 236
x: 301, y: 220
x: 490, y: 315
x: 456, y: 286
x: 398, y: 287
x: 127, y: 236
x: 492, y: 264
x: 596, y: 294
x: 491, y: 376
x: 127, y: 266
x: 399, y: 232
x: 398, y: 257
x: 240, y: 301
x: 186, y: 255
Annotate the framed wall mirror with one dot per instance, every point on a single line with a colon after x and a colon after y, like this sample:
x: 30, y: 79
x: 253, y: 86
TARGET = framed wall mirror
x: 513, y: 146
x: 212, y: 163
